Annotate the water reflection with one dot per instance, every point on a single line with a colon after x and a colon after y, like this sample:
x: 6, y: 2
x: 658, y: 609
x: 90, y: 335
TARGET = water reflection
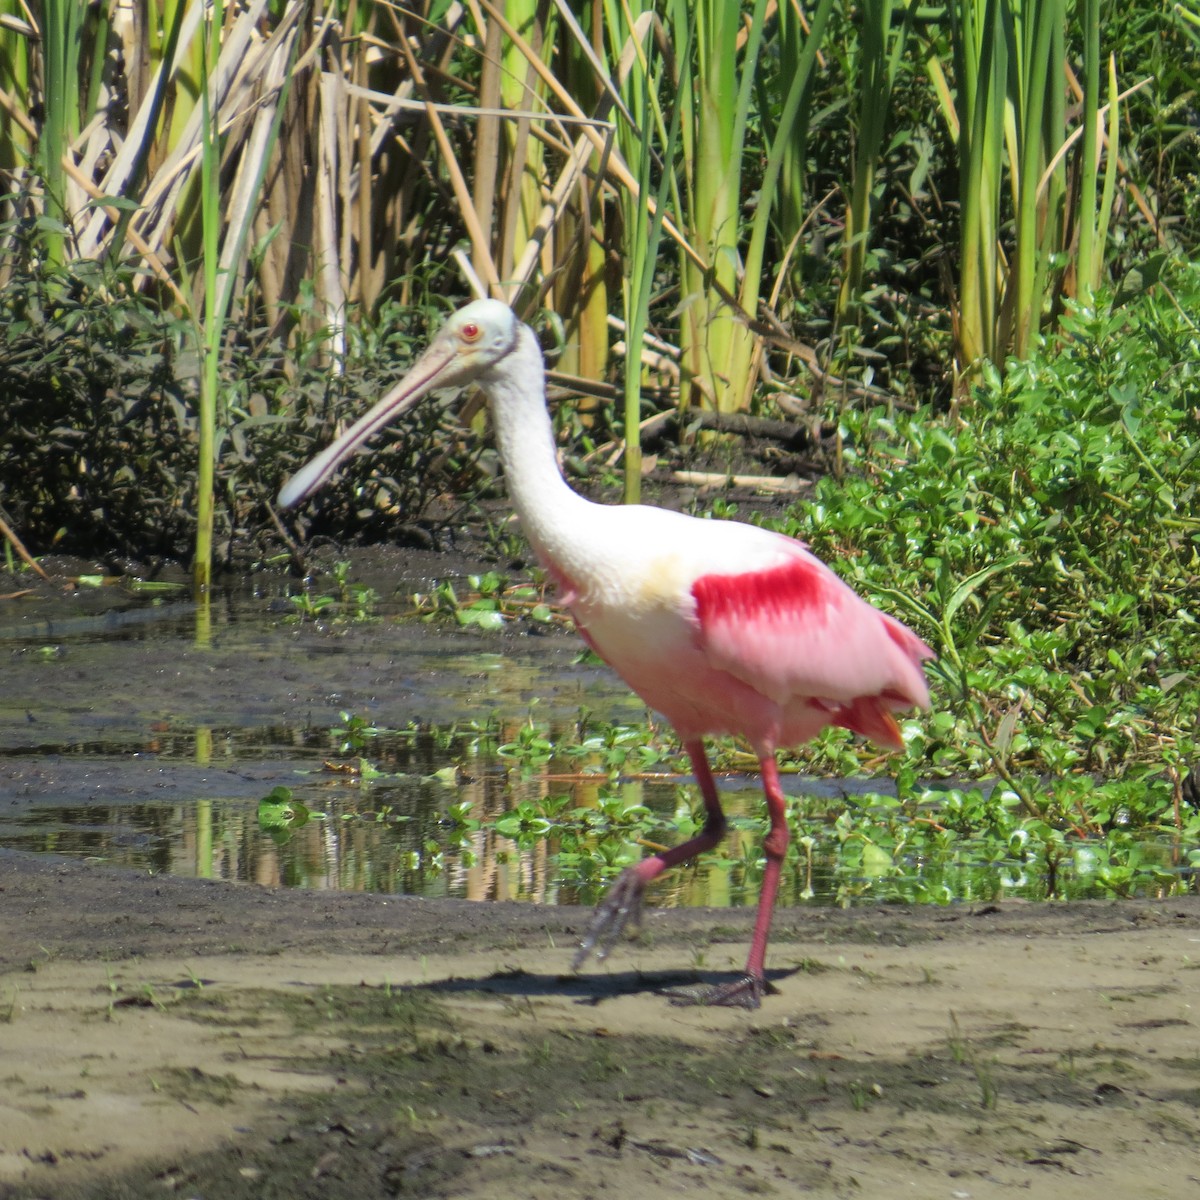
x: 122, y: 742
x: 429, y: 829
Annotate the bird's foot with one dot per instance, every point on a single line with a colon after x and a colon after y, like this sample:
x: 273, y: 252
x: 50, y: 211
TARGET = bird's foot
x: 746, y: 992
x: 621, y: 906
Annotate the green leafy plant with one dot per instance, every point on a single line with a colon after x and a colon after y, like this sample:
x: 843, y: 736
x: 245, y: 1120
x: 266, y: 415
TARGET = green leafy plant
x: 280, y: 814
x: 489, y: 604
x: 1049, y: 550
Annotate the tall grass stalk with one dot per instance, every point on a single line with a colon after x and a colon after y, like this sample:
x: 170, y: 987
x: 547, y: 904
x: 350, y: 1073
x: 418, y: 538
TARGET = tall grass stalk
x: 880, y: 50
x: 1089, y: 256
x: 210, y: 202
x: 62, y: 23
x: 640, y: 246
x: 1110, y: 169
x: 521, y: 90
x: 227, y: 219
x: 1039, y: 120
x: 791, y: 129
x: 715, y: 91
x: 722, y: 286
x: 630, y: 30
x: 981, y: 51
x: 159, y: 105
x: 581, y: 292
x: 791, y: 202
x: 641, y: 75
x: 16, y: 53
x: 1011, y: 124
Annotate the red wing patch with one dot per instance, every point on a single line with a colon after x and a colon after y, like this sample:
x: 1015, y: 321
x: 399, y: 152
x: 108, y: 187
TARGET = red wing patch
x: 798, y: 637
x: 789, y: 590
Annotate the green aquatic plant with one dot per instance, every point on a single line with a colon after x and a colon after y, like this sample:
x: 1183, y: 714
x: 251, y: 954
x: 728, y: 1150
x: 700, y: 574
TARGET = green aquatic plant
x: 280, y: 814
x: 531, y: 748
x: 354, y: 602
x: 356, y: 734
x: 488, y: 602
x: 926, y: 842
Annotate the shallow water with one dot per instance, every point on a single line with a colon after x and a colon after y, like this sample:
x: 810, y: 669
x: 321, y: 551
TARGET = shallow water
x: 123, y: 741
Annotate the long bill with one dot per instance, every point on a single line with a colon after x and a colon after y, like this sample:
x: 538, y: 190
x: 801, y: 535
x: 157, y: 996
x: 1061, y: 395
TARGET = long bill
x: 421, y: 379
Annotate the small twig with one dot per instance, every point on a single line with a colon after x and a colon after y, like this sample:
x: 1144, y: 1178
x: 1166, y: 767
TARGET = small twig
x: 294, y: 550
x: 790, y: 433
x: 1176, y: 795
x: 762, y: 483
x: 657, y: 847
x: 930, y: 822
x: 16, y: 544
x: 1027, y: 802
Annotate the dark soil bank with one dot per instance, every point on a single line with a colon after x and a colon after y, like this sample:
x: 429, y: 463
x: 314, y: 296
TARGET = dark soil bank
x: 181, y: 1037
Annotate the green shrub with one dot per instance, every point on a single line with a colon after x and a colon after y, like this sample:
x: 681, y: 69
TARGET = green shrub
x: 97, y: 445
x: 1048, y: 545
x: 98, y: 455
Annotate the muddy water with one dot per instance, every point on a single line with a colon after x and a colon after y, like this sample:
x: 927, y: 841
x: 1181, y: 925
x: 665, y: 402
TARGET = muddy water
x: 133, y: 735
x: 124, y: 741
x: 128, y: 740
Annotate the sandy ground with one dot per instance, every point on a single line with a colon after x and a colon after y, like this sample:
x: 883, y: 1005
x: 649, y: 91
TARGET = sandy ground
x: 177, y: 1037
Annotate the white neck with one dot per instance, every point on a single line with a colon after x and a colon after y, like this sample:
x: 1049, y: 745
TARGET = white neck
x: 549, y: 511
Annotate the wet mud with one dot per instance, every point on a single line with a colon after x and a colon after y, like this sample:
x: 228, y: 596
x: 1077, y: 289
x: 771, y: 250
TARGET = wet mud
x: 169, y: 1036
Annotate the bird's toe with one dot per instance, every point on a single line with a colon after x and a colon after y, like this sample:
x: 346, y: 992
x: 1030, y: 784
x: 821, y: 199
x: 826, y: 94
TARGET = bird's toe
x: 746, y: 992
x: 620, y: 908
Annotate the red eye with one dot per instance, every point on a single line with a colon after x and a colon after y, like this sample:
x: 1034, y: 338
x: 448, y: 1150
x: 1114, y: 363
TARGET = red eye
x: 470, y: 332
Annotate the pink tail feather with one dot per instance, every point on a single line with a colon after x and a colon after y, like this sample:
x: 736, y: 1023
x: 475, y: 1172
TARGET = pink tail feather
x: 871, y: 717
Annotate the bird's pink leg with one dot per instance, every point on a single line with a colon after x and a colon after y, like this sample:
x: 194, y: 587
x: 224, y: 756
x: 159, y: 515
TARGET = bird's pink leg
x: 748, y: 991
x: 775, y: 846
x: 622, y: 902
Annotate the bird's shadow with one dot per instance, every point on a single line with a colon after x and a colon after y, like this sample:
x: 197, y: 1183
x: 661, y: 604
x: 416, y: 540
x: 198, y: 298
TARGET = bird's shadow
x: 587, y: 989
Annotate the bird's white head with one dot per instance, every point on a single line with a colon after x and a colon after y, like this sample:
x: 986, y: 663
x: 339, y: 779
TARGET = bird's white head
x: 474, y: 339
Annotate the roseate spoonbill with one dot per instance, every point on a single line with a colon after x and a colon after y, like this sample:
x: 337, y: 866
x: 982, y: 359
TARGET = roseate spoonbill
x: 719, y: 626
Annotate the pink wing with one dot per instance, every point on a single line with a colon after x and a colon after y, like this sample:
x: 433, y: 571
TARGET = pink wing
x: 796, y: 632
